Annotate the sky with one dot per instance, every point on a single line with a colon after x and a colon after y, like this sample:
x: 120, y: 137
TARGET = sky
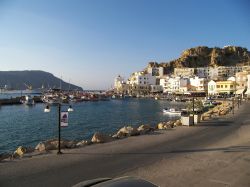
x: 90, y: 42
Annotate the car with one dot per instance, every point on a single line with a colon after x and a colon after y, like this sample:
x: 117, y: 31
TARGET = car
x: 126, y: 181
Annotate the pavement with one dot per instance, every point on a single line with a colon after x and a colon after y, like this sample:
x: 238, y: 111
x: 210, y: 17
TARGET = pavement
x: 213, y: 153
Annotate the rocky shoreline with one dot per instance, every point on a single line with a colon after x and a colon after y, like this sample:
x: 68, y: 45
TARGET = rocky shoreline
x: 46, y: 147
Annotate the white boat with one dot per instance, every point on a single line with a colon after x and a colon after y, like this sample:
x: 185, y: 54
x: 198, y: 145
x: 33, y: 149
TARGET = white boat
x: 28, y: 100
x: 171, y: 111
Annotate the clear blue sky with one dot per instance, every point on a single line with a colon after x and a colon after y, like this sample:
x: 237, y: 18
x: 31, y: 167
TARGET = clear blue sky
x: 91, y: 41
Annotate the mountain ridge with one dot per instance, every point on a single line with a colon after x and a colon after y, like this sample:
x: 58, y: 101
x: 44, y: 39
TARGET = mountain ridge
x: 20, y: 80
x: 203, y: 56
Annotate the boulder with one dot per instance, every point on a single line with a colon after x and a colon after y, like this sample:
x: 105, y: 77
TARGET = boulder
x: 221, y: 113
x: 177, y: 123
x: 40, y: 147
x: 169, y: 125
x: 20, y: 151
x: 128, y: 131
x: 161, y: 126
x: 53, y: 144
x: 143, y: 129
x: 100, y: 138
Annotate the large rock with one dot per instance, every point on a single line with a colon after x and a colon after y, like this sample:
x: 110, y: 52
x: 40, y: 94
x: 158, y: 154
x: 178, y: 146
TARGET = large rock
x: 100, y: 138
x: 20, y: 151
x: 161, y: 126
x: 169, y: 125
x: 53, y: 144
x: 165, y: 125
x: 222, y: 112
x: 128, y: 131
x: 177, y: 123
x: 40, y: 147
x: 143, y: 129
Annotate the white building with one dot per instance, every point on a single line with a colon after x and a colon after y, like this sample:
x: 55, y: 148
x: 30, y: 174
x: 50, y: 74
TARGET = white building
x: 170, y: 84
x: 212, y: 88
x: 156, y: 71
x: 140, y: 82
x: 156, y: 88
x: 198, y: 84
x: 141, y: 78
x: 228, y: 71
x: 118, y: 81
x: 184, y: 72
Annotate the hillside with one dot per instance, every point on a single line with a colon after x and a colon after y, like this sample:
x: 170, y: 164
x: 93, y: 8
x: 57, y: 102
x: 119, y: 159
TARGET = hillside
x: 204, y: 56
x: 17, y: 80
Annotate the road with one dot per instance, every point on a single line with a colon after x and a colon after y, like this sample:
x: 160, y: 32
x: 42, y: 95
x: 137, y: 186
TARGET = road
x: 214, y: 153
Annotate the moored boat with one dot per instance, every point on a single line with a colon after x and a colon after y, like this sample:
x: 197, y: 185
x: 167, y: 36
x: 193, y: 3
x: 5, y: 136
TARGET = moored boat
x: 28, y: 100
x: 171, y: 111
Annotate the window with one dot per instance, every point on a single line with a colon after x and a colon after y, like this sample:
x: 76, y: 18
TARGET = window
x: 231, y: 86
x: 217, y: 86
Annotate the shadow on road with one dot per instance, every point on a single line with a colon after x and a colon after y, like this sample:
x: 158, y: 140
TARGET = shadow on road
x: 220, y: 149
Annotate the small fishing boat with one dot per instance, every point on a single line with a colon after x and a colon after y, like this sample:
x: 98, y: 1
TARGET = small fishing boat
x: 171, y: 111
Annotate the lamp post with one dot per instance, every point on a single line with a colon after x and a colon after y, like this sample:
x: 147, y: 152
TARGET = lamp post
x: 70, y: 109
x: 193, y: 110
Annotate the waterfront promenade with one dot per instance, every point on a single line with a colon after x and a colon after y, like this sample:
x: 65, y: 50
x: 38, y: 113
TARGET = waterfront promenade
x: 214, y: 153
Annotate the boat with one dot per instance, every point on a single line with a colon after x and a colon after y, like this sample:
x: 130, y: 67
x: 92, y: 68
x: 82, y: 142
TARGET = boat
x: 28, y: 100
x: 171, y: 111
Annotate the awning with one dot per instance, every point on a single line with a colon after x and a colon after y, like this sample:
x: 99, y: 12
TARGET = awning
x: 240, y: 91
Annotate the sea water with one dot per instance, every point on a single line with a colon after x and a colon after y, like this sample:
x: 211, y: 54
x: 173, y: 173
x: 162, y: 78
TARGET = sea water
x: 28, y: 125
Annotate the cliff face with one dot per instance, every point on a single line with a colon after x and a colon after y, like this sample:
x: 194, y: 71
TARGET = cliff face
x: 204, y: 56
x: 17, y: 80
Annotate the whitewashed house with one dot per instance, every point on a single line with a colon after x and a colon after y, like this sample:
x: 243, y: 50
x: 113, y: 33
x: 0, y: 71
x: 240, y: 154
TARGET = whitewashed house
x: 198, y: 84
x: 140, y: 82
x: 212, y: 88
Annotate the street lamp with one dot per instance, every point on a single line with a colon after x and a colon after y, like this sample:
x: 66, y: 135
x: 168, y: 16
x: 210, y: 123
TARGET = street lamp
x: 70, y: 109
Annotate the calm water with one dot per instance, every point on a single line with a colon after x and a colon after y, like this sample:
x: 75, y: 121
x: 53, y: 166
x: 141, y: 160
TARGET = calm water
x: 24, y: 125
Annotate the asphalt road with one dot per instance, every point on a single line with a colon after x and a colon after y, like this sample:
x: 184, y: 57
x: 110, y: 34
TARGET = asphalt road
x: 127, y: 156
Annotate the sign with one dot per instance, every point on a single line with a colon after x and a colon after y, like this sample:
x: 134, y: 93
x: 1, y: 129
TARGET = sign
x: 64, y: 119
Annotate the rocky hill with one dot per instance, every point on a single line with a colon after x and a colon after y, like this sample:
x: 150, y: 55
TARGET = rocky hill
x: 17, y: 80
x: 204, y: 56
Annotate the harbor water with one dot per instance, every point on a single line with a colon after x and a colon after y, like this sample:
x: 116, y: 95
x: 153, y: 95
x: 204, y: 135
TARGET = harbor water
x: 29, y: 125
